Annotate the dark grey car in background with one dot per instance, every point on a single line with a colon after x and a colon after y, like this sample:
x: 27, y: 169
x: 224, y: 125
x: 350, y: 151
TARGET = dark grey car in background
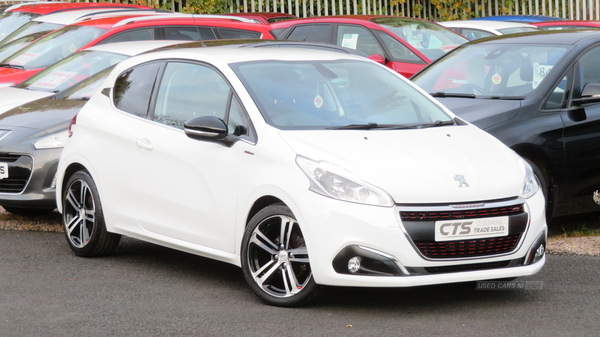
x: 539, y: 93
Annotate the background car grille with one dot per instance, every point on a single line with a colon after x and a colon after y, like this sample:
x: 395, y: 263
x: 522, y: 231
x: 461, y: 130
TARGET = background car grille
x: 462, y: 248
x: 19, y: 172
x: 419, y: 224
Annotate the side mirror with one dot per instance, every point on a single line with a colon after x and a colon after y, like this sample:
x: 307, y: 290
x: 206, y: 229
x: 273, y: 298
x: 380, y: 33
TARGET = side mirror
x: 591, y: 90
x: 589, y: 94
x: 377, y: 58
x: 205, y: 128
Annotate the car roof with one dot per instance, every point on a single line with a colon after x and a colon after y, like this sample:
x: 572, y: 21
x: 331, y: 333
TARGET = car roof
x: 564, y: 37
x: 518, y: 18
x: 66, y: 18
x: 261, y: 43
x: 568, y: 22
x: 131, y: 48
x: 234, y: 54
x: 484, y: 24
x: 166, y: 19
x: 47, y: 8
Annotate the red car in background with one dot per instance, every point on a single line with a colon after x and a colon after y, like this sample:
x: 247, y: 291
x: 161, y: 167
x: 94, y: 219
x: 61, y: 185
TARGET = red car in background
x: 403, y: 44
x: 18, y: 15
x: 69, y: 39
x: 567, y: 24
x: 265, y: 17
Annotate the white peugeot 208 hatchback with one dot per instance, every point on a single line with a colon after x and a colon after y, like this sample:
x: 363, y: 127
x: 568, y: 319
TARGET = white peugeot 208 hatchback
x: 303, y: 167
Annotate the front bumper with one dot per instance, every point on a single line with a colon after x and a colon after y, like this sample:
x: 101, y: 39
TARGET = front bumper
x: 336, y: 231
x: 37, y: 190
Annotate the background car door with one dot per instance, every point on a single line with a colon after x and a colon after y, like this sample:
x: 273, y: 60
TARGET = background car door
x: 184, y: 188
x: 582, y: 137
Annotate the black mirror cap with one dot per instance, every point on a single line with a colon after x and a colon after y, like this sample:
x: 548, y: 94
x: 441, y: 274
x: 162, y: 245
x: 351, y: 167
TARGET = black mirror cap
x: 209, y: 128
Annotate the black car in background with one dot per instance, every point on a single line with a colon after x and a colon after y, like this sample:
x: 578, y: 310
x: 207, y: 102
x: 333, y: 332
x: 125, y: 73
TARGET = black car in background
x: 539, y: 93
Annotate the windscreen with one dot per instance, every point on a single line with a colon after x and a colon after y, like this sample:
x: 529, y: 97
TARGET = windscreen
x: 10, y: 21
x: 306, y: 95
x: 53, y: 47
x: 71, y: 70
x: 491, y: 70
x: 30, y: 28
x: 427, y: 37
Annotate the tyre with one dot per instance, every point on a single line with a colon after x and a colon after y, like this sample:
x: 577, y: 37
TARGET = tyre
x: 275, y: 260
x: 83, y: 218
x: 28, y: 211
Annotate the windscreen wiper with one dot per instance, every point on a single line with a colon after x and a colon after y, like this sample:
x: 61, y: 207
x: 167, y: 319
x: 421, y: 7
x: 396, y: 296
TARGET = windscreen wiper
x: 371, y: 126
x: 437, y: 123
x: 13, y: 66
x: 451, y: 94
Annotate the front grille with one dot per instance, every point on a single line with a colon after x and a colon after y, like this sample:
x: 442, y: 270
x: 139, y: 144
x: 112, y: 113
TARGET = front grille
x: 19, y: 172
x: 9, y: 158
x: 462, y: 214
x: 8, y: 185
x: 467, y: 248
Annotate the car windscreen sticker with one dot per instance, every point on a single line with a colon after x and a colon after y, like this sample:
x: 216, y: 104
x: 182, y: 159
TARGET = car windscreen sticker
x: 318, y: 101
x: 496, y: 79
x: 349, y: 40
x: 539, y: 72
x: 54, y: 79
x: 23, y: 58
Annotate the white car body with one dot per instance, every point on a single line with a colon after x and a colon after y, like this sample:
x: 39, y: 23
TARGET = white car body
x: 158, y: 185
x: 12, y: 97
x: 478, y: 29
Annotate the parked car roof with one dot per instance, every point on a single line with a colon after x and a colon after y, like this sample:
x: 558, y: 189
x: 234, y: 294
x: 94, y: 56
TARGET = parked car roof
x: 518, y: 18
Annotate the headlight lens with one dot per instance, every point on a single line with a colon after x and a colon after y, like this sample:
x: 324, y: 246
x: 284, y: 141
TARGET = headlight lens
x: 54, y: 141
x: 335, y: 182
x: 531, y: 184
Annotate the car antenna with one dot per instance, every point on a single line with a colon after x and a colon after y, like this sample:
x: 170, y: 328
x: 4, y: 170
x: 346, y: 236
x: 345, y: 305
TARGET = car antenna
x: 198, y: 30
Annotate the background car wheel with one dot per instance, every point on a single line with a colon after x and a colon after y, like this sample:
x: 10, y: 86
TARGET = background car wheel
x: 83, y: 218
x: 28, y: 211
x: 275, y: 260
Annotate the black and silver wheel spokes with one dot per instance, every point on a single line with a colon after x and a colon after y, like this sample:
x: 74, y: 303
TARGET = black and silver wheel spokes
x: 79, y: 213
x: 278, y: 257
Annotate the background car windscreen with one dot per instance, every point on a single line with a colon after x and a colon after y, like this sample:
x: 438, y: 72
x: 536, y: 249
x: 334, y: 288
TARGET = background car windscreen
x: 486, y: 70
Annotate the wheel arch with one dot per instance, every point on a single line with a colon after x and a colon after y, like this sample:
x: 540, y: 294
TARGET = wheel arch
x: 261, y: 203
x: 537, y: 156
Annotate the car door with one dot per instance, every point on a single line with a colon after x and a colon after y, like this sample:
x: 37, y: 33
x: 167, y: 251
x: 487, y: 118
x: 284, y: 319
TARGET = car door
x: 582, y: 139
x: 184, y: 188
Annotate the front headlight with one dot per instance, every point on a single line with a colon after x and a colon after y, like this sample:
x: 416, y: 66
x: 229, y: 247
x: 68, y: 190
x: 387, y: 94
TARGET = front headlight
x: 53, y: 141
x: 531, y: 184
x: 335, y: 182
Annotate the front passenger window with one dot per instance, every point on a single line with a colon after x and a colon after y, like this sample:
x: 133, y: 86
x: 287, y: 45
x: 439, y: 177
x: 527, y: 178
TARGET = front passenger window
x: 190, y: 90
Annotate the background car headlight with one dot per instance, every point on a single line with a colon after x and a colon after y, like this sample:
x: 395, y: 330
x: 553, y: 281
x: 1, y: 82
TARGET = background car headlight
x: 531, y: 184
x: 53, y: 141
x: 335, y: 182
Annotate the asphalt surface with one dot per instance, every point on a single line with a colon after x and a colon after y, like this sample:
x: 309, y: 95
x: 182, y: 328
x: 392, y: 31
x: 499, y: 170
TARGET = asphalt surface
x: 147, y: 290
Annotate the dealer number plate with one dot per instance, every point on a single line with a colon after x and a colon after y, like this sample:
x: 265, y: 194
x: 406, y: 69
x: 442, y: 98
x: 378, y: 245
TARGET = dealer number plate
x: 3, y: 170
x: 466, y: 229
